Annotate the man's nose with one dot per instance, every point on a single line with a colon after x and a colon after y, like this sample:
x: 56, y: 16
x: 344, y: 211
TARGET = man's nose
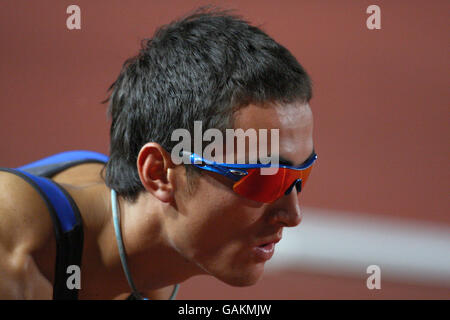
x: 288, y: 211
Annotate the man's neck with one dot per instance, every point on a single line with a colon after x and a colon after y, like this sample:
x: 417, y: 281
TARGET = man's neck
x: 152, y: 262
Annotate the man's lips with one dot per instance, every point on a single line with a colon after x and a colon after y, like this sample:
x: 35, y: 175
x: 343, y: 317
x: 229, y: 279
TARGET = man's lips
x: 273, y: 240
x: 265, y: 250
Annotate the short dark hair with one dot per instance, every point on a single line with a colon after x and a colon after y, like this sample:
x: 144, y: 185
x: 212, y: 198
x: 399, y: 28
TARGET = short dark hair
x: 202, y: 67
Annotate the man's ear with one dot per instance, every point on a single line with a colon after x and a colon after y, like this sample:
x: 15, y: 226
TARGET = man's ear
x: 153, y: 164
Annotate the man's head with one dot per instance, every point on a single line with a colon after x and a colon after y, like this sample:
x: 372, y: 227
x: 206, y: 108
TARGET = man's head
x: 215, y: 68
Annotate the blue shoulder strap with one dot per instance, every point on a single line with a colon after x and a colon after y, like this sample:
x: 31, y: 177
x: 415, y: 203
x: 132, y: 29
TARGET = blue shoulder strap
x: 55, y: 195
x: 57, y: 199
x: 49, y: 166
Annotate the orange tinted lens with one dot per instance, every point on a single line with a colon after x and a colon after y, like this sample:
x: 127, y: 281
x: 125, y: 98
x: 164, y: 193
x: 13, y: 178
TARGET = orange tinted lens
x: 305, y: 175
x: 258, y: 187
x: 268, y: 188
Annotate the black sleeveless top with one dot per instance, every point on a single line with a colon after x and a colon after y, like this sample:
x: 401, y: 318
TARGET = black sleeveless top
x: 64, y: 212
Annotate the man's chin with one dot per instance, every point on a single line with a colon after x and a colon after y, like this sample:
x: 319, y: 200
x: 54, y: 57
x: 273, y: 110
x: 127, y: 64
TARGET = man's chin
x: 244, y: 278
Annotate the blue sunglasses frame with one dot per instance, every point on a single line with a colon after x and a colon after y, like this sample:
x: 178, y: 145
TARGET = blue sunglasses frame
x: 237, y: 171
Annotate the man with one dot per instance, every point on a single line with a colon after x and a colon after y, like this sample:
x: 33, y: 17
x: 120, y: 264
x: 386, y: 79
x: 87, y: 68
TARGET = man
x: 143, y: 214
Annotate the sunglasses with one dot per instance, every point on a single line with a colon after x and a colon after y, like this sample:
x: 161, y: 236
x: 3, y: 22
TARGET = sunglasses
x: 249, y: 181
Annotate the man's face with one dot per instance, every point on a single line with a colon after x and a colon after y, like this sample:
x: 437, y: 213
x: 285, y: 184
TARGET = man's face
x: 222, y: 232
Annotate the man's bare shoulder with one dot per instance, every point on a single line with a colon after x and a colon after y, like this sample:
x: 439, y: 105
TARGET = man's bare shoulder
x: 24, y: 217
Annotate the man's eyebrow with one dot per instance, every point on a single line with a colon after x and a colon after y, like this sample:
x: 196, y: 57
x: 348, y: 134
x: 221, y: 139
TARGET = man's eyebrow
x: 289, y: 163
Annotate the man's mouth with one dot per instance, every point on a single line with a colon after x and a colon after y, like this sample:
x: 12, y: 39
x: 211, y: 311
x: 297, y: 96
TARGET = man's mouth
x: 265, y: 251
x: 267, y: 246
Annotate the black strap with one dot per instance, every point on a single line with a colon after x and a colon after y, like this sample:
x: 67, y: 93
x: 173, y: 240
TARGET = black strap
x: 69, y: 252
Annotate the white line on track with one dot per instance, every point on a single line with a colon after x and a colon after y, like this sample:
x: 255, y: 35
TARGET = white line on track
x: 343, y: 243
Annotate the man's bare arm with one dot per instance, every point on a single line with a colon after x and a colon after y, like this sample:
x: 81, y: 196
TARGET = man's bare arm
x: 21, y: 232
x: 20, y: 278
